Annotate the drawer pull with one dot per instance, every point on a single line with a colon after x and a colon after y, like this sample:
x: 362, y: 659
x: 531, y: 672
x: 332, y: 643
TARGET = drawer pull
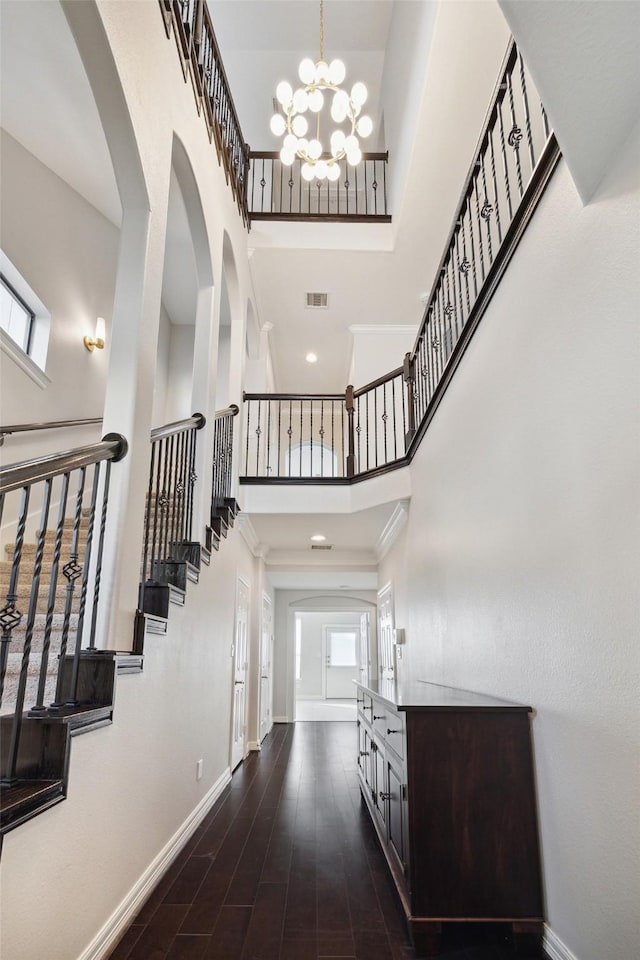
x: 359, y: 701
x: 393, y: 731
x: 378, y: 718
x: 384, y: 796
x: 364, y: 753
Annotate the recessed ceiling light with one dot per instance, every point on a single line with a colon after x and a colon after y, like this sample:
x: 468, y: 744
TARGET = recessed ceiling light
x: 318, y: 538
x: 311, y: 357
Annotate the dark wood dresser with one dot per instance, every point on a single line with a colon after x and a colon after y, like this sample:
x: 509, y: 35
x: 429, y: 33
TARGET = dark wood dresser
x: 447, y: 776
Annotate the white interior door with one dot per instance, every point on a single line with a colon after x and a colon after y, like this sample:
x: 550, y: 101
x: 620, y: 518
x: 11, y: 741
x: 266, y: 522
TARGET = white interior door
x: 266, y: 646
x: 238, y: 722
x: 386, y: 660
x: 340, y: 662
x: 365, y: 648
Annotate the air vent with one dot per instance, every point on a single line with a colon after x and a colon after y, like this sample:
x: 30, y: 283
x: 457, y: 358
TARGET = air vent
x: 322, y: 546
x: 317, y: 301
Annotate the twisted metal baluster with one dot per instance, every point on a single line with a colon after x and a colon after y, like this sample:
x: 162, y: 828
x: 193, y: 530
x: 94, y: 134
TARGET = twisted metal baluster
x: 72, y: 701
x: 38, y: 708
x: 98, y: 573
x: 16, y: 727
x: 72, y: 570
x: 10, y: 616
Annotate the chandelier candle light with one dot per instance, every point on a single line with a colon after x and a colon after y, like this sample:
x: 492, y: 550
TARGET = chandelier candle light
x: 345, y: 108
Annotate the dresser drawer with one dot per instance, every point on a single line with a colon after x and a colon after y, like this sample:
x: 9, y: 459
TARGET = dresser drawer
x: 395, y: 732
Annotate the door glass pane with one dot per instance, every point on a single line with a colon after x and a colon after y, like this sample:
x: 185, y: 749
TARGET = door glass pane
x: 342, y: 649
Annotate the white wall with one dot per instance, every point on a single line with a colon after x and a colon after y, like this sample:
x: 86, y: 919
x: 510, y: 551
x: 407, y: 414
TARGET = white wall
x: 132, y: 784
x: 287, y: 602
x: 311, y: 661
x: 66, y: 251
x: 517, y: 572
x: 378, y: 349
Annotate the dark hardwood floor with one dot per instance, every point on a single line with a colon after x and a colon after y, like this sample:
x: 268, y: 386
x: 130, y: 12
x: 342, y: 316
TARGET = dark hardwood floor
x: 287, y: 866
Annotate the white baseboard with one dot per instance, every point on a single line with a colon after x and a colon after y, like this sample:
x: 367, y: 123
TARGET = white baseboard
x: 253, y: 745
x: 554, y: 946
x: 281, y: 720
x: 106, y: 938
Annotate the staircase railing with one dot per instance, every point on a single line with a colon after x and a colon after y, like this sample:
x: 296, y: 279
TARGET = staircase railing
x: 380, y: 425
x: 46, y: 425
x: 200, y: 56
x: 76, y: 486
x: 325, y: 438
x: 516, y: 155
x: 222, y: 468
x: 279, y: 192
x: 169, y: 507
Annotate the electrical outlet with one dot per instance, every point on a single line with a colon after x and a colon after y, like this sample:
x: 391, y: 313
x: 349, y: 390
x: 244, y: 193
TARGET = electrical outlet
x: 199, y: 766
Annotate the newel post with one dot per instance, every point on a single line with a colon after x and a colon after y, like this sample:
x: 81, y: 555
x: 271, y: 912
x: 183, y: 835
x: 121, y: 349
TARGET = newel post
x: 408, y: 374
x: 351, y: 457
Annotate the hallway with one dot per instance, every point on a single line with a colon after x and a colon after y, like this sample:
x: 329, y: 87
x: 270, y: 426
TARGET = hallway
x: 287, y: 867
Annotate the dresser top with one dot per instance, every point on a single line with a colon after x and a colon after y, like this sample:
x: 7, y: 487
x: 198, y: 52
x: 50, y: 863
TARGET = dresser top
x: 421, y: 695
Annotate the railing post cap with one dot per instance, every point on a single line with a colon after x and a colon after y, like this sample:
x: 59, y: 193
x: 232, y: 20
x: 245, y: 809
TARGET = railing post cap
x: 123, y: 446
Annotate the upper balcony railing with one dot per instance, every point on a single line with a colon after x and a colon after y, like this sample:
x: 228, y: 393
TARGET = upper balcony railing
x: 200, y: 57
x: 515, y: 158
x: 276, y: 192
x: 279, y: 192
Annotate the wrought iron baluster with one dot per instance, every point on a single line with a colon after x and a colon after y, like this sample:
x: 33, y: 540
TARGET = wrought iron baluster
x: 375, y: 422
x: 479, y: 228
x: 258, y: 433
x: 16, y: 727
x: 527, y: 115
x: 268, y: 469
x: 311, y: 438
x: 75, y: 669
x: 404, y: 419
x: 486, y: 209
x: 461, y: 277
x: 321, y: 438
x: 156, y: 507
x: 98, y: 571
x: 395, y: 424
x: 38, y: 708
x: 468, y: 264
x: 367, y: 426
x: 358, y: 433
x: 290, y: 434
x: 279, y: 435
x: 71, y: 570
x: 147, y: 519
x: 342, y: 407
x: 246, y: 456
x: 515, y: 134
x: 505, y: 160
x: 10, y: 616
x: 384, y: 419
x: 496, y: 200
x: 545, y: 121
x: 301, y: 435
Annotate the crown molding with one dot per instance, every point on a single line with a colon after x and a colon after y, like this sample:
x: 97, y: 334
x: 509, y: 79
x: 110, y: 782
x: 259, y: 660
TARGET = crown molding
x: 392, y: 529
x: 383, y: 328
x: 250, y: 536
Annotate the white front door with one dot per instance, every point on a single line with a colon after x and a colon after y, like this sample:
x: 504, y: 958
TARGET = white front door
x: 238, y: 723
x: 266, y: 644
x: 340, y: 662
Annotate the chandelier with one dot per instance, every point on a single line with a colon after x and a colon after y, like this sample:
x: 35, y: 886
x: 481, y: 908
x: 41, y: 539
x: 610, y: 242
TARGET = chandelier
x: 320, y: 81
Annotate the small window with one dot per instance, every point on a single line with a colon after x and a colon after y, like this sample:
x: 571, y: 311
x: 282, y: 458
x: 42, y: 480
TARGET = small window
x: 16, y: 317
x: 342, y: 649
x: 25, y: 323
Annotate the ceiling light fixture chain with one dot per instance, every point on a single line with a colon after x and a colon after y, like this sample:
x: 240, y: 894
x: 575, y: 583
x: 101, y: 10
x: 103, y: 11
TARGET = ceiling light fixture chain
x: 346, y: 108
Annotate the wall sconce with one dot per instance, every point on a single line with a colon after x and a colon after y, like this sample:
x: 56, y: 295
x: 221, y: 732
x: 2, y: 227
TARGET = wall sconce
x: 98, y: 341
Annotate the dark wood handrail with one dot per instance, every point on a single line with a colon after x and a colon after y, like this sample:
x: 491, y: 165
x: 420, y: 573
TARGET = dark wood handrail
x: 231, y: 411
x: 293, y: 396
x: 45, y: 425
x: 197, y: 420
x: 113, y: 446
x: 274, y: 155
x: 378, y: 383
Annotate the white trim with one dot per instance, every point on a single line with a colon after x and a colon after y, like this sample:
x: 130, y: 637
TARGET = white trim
x: 253, y: 746
x: 281, y: 720
x: 107, y: 937
x: 250, y: 536
x: 392, y: 529
x: 23, y: 360
x: 554, y: 946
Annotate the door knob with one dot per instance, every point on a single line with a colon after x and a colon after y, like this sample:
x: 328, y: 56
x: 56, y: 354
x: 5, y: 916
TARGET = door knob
x: 384, y: 796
